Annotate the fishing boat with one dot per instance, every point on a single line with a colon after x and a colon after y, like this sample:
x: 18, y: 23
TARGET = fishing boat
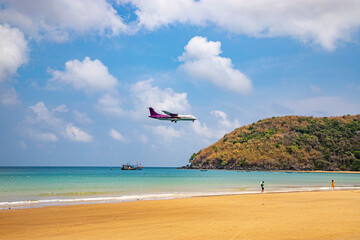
x: 131, y: 167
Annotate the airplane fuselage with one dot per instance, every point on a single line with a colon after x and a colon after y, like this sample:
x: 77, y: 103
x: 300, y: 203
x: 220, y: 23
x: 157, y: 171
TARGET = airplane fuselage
x: 174, y: 118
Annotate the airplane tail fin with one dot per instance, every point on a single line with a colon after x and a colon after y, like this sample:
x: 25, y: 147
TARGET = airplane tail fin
x: 152, y: 111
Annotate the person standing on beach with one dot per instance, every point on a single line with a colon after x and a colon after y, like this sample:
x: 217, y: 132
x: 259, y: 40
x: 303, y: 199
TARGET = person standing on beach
x: 262, y: 184
x: 332, y: 184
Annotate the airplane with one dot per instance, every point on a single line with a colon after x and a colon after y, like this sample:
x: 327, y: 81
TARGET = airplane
x: 173, y: 117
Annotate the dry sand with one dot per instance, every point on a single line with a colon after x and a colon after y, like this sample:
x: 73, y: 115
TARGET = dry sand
x: 308, y: 215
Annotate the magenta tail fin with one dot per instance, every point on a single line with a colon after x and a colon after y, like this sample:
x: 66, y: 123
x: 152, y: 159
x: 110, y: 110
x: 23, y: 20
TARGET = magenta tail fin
x: 152, y: 111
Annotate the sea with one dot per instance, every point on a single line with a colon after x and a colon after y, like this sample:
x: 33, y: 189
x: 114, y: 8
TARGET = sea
x: 25, y: 187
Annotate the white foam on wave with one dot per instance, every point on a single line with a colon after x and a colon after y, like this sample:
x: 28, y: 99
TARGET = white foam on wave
x: 46, y: 202
x: 154, y: 196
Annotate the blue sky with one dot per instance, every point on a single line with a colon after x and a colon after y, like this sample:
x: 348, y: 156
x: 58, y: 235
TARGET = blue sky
x: 76, y: 77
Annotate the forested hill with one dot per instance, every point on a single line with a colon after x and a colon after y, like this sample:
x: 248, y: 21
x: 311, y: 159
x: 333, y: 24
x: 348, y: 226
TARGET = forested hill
x: 287, y: 143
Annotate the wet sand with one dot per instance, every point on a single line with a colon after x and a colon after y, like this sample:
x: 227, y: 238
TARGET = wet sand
x: 306, y: 215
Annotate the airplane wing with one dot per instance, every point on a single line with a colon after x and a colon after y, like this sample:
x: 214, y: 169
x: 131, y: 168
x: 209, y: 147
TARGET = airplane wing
x: 171, y: 114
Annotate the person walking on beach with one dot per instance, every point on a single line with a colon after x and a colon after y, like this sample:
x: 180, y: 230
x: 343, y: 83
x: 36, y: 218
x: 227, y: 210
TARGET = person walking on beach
x: 332, y: 184
x: 262, y: 184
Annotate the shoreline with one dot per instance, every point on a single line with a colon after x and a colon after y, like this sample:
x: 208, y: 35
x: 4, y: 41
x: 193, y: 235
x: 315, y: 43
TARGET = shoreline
x: 289, y: 171
x: 296, y: 215
x: 27, y: 204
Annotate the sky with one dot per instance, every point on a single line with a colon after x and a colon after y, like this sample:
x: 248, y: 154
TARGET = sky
x: 77, y: 77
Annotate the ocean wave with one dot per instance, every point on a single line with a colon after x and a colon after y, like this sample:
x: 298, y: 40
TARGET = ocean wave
x: 89, y: 193
x: 154, y: 196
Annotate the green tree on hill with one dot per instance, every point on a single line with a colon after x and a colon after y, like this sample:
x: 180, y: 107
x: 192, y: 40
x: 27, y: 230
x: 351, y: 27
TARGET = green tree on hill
x: 288, y: 143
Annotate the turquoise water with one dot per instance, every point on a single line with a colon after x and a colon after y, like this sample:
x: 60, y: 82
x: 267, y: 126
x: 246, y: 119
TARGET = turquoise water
x: 39, y: 186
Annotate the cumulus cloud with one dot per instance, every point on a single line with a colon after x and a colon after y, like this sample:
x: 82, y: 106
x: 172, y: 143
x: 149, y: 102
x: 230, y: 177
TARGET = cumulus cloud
x: 88, y: 75
x: 76, y: 134
x: 13, y: 51
x: 202, y: 130
x: 58, y: 20
x: 61, y: 108
x: 222, y: 126
x: 116, y: 135
x: 146, y: 95
x: 41, y: 115
x: 143, y: 94
x: 321, y: 22
x: 13, y: 54
x: 223, y: 120
x: 42, y: 124
x: 202, y: 61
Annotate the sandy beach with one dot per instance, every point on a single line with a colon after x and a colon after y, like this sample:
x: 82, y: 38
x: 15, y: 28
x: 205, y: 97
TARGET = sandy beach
x: 305, y: 215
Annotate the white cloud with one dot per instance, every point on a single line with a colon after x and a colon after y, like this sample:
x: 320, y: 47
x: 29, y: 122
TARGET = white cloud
x: 168, y: 133
x: 91, y: 76
x: 58, y: 20
x: 41, y: 115
x: 116, y: 135
x: 324, y: 22
x: 61, y: 108
x: 81, y: 117
x: 13, y: 51
x: 202, y: 130
x: 202, y: 61
x: 221, y: 126
x: 8, y: 96
x: 88, y: 75
x: 146, y: 95
x: 41, y: 124
x: 143, y: 94
x: 76, y: 134
x: 224, y: 121
x: 110, y: 105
